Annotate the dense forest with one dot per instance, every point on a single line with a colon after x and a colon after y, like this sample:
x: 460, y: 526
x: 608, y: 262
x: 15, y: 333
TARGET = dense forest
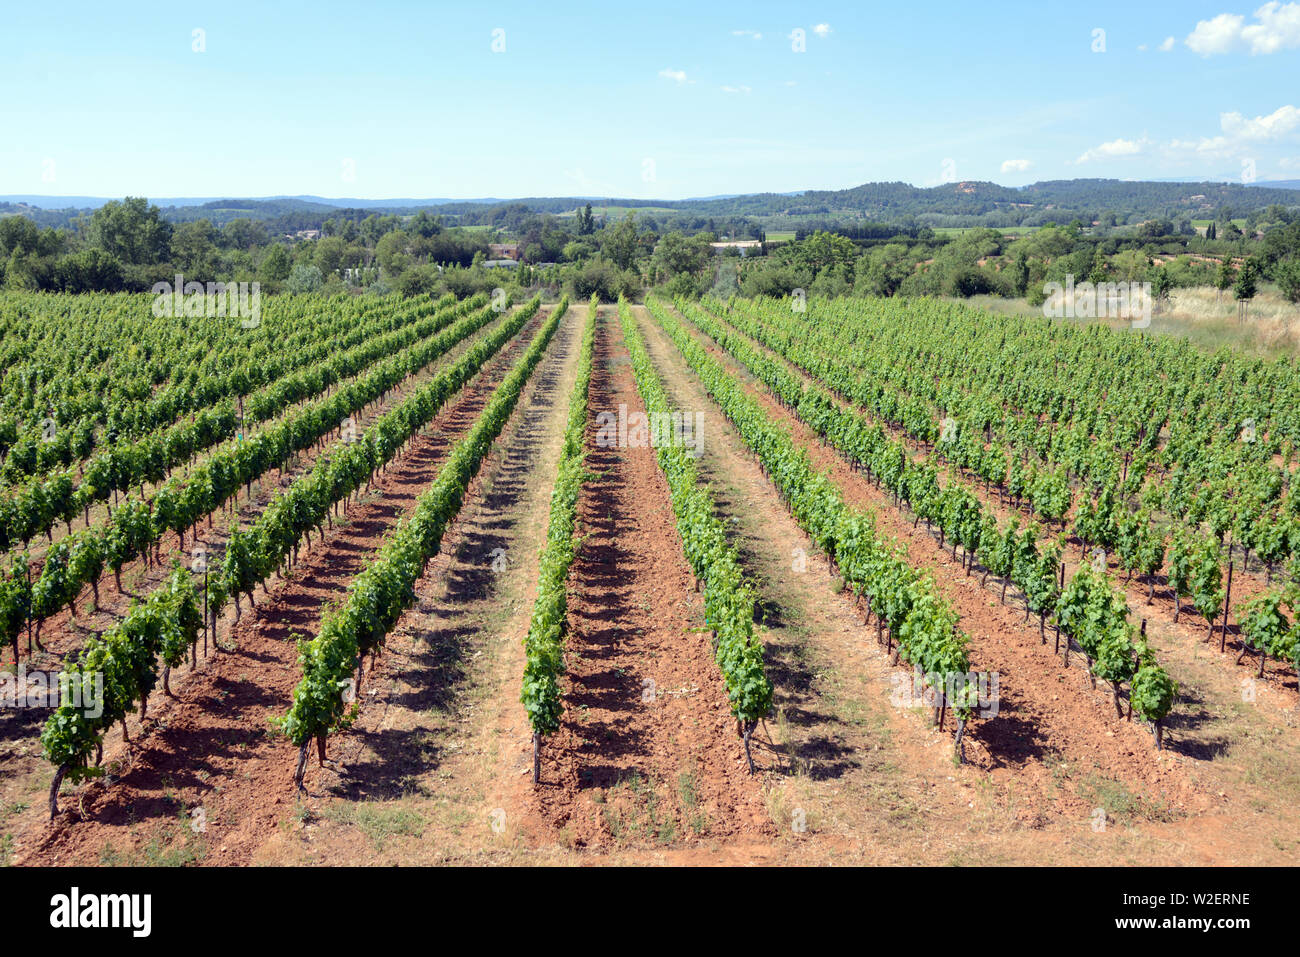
x: 989, y: 262
x: 294, y: 245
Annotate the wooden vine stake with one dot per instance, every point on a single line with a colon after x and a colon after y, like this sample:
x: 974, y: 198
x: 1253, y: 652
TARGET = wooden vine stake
x: 1227, y: 603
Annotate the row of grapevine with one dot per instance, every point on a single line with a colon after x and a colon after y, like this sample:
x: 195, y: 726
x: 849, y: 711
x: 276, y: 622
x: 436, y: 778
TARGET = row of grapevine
x: 1095, y: 614
x: 136, y: 527
x: 192, y: 365
x: 728, y: 596
x: 115, y: 672
x: 1214, y: 483
x: 922, y: 626
x: 1011, y: 554
x: 252, y: 556
x: 1266, y: 629
x: 33, y: 508
x: 109, y: 360
x: 386, y: 587
x: 73, y: 733
x: 1105, y: 519
x: 544, y: 643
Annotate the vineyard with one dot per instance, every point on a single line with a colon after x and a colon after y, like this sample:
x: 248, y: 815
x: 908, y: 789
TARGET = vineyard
x: 389, y: 579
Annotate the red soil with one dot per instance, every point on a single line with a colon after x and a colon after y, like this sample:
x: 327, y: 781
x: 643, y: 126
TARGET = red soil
x: 634, y: 619
x: 1047, y: 715
x: 214, y: 748
x: 1189, y: 630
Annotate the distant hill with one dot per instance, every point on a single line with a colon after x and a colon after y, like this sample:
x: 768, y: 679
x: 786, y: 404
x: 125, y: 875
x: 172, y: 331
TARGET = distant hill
x: 94, y: 202
x: 973, y: 198
x: 969, y: 203
x: 1280, y: 184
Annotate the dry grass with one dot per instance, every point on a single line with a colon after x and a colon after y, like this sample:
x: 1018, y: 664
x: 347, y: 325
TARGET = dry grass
x: 1203, y: 315
x: 1209, y: 318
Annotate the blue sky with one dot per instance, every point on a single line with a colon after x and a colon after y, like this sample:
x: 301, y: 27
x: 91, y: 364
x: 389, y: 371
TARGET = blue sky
x: 670, y: 100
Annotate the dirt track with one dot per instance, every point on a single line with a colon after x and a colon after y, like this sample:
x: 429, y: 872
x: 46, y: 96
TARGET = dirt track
x: 646, y: 752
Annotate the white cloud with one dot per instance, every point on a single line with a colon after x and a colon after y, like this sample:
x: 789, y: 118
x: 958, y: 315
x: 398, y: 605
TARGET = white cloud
x: 1259, y: 139
x: 1217, y: 146
x: 736, y: 89
x: 1206, y: 146
x: 1216, y: 36
x: 1167, y: 45
x: 1280, y: 122
x: 747, y: 33
x: 1276, y: 26
x: 1118, y: 147
x: 1142, y: 47
x: 1015, y: 166
x: 1239, y: 132
x: 822, y: 29
x: 1289, y: 162
x: 678, y: 75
